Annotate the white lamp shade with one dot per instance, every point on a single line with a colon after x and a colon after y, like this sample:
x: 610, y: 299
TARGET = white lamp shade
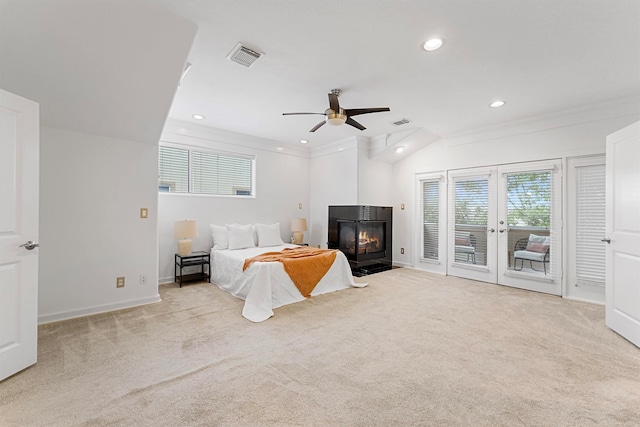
x: 185, y: 229
x: 299, y: 224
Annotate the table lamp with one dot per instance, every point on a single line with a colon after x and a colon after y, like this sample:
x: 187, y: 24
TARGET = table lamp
x: 298, y: 226
x: 185, y: 230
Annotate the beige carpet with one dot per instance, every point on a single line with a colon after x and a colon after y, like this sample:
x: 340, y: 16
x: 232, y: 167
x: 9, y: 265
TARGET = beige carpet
x: 411, y: 349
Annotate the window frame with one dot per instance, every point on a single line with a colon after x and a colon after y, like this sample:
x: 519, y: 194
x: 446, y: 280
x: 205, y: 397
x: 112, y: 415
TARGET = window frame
x: 190, y: 174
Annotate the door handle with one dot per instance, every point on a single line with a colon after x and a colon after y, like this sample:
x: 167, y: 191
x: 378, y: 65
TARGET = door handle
x: 502, y: 230
x: 29, y: 245
x: 606, y: 240
x: 491, y: 230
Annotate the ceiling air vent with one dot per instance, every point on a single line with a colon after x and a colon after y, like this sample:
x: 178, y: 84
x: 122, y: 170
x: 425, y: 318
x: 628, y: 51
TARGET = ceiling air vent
x: 402, y: 122
x: 243, y: 55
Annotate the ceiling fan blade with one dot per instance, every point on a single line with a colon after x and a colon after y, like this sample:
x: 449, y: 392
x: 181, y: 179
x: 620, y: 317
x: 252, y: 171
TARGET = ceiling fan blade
x: 355, y: 124
x: 333, y: 102
x: 297, y: 114
x: 357, y: 111
x: 318, y: 126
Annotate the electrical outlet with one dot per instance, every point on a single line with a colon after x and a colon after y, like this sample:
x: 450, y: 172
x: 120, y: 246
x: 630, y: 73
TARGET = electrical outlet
x: 402, y: 251
x: 120, y: 282
x: 143, y: 279
x: 299, y: 205
x: 144, y: 213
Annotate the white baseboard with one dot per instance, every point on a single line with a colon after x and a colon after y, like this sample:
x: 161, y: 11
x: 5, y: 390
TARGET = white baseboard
x: 590, y: 301
x: 165, y: 280
x: 66, y: 315
x: 401, y: 264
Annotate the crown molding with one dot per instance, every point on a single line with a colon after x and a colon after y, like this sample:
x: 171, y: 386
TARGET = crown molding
x: 178, y: 131
x: 620, y: 107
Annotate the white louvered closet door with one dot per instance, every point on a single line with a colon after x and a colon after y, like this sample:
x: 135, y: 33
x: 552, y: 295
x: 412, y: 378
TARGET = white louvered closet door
x: 586, y: 187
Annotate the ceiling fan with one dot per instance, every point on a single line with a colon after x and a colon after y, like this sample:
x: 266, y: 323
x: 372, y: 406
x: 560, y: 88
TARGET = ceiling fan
x: 336, y: 116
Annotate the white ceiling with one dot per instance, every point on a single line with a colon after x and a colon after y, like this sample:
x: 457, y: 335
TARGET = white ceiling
x: 540, y: 56
x: 105, y: 67
x: 111, y: 66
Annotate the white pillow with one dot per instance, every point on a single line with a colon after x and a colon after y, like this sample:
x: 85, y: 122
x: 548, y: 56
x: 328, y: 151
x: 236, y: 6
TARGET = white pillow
x: 269, y: 235
x: 220, y: 236
x: 240, y: 236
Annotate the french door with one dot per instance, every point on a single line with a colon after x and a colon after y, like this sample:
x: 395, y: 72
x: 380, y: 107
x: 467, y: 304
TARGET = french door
x: 504, y: 225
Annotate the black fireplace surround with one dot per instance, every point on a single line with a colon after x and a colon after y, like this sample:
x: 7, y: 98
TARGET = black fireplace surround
x: 363, y: 234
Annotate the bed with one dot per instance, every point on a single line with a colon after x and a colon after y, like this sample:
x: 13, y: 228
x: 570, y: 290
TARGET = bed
x: 265, y: 286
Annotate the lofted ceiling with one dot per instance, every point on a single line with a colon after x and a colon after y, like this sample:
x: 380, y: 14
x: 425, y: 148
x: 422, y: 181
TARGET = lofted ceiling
x: 540, y: 56
x: 111, y: 66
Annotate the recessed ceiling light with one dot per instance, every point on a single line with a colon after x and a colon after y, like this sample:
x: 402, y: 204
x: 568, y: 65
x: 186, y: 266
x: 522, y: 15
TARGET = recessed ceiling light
x: 304, y: 141
x: 198, y: 116
x: 280, y: 148
x: 340, y: 149
x: 432, y: 44
x: 496, y: 104
x: 401, y: 148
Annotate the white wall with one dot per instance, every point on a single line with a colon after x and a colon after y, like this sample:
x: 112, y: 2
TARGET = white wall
x: 282, y: 183
x: 91, y: 191
x: 557, y: 136
x: 374, y: 180
x: 334, y: 181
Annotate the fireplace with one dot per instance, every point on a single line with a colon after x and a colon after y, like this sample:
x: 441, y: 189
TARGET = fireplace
x: 363, y: 234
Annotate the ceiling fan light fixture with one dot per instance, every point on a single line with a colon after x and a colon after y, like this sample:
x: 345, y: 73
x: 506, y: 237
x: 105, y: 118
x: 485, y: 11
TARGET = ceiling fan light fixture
x: 335, y: 119
x: 432, y: 44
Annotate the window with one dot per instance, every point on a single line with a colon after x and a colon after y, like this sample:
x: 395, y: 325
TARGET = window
x: 182, y: 170
x: 430, y: 219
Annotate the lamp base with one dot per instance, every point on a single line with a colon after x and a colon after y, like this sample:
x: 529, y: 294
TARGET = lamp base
x: 298, y: 237
x: 184, y: 247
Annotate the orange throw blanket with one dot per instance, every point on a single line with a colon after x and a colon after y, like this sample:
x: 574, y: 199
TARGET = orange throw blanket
x: 305, y: 266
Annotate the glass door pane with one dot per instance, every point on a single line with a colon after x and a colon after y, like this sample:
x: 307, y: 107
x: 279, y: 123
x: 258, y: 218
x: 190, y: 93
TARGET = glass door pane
x: 471, y: 215
x: 529, y: 221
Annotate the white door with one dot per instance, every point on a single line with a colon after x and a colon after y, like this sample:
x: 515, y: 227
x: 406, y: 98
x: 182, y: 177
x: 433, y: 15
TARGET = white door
x: 19, y: 172
x: 622, y: 287
x: 494, y: 212
x: 586, y: 227
x: 472, y: 224
x: 529, y: 211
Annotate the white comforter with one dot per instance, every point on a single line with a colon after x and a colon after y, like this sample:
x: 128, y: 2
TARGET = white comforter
x: 265, y: 285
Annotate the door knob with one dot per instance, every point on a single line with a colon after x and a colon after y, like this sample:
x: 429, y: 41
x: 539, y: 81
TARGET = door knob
x: 29, y: 245
x: 606, y: 240
x: 502, y: 230
x: 491, y: 230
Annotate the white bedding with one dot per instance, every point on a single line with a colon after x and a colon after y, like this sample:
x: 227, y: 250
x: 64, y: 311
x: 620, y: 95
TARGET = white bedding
x: 265, y: 285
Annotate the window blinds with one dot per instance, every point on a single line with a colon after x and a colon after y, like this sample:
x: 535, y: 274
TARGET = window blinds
x: 430, y: 219
x: 590, y: 225
x: 173, y: 170
x: 529, y: 199
x: 209, y: 173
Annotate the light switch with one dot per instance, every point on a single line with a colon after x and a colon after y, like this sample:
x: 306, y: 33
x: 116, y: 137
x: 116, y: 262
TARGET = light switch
x: 144, y: 213
x: 402, y: 207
